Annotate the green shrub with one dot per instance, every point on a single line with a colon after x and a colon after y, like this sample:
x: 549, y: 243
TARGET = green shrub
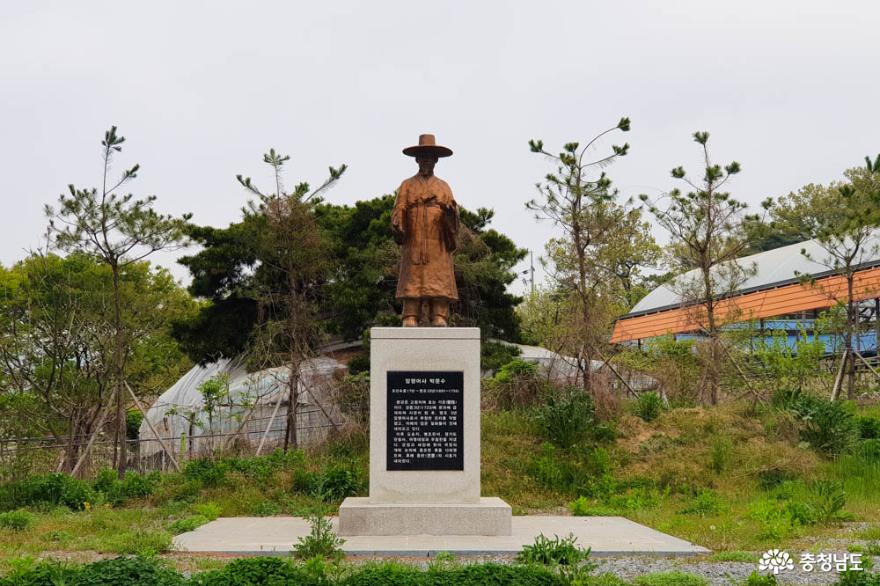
x: 50, y: 490
x: 255, y: 571
x: 336, y: 483
x: 305, y: 481
x: 258, y: 467
x: 516, y: 384
x: 828, y: 501
x: 133, y: 421
x: 514, y: 370
x: 799, y: 513
x: 18, y: 520
x: 359, y: 364
x: 106, y: 480
x: 130, y: 571
x: 394, y: 574
x: 829, y: 427
x: 482, y: 574
x: 869, y: 449
x: 649, y: 406
x: 30, y: 572
x: 600, y: 580
x: 494, y: 355
x: 558, y: 551
x: 756, y: 579
x: 187, y: 524
x: 773, y: 477
x: 268, y: 570
x: 389, y: 574
x: 720, y: 453
x: 704, y: 504
x: 858, y: 578
x: 207, y: 472
x: 136, y: 485
x: 635, y: 498
x: 210, y: 511
x: 869, y: 427
x: 177, y: 488
x: 674, y: 578
x: 141, y: 542
x: 320, y: 542
x: 567, y: 418
x: 558, y: 473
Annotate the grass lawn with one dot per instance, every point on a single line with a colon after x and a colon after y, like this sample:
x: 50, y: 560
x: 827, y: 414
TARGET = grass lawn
x: 724, y: 478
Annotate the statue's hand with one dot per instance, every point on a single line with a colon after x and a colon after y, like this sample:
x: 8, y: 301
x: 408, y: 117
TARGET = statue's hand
x: 398, y: 233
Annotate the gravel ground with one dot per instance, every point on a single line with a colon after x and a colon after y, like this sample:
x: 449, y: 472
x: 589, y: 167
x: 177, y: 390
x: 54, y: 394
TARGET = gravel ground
x: 626, y: 567
x: 717, y: 573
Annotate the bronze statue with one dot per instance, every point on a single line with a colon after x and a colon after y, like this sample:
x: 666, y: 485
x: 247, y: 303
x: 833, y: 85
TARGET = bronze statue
x: 425, y: 223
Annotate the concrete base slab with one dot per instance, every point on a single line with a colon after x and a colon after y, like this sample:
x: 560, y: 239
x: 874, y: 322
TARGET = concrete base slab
x: 359, y: 516
x: 276, y: 536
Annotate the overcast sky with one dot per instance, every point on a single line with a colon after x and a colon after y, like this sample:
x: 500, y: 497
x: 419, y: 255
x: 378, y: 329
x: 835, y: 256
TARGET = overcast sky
x: 201, y: 89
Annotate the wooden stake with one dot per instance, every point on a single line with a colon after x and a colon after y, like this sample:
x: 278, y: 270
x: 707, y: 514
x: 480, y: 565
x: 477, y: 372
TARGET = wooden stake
x: 614, y: 370
x: 92, y: 439
x: 838, y: 380
x: 153, y: 429
x: 865, y: 362
x: 271, y: 421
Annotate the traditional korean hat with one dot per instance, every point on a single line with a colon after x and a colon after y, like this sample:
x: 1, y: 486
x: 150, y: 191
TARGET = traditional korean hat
x: 427, y: 146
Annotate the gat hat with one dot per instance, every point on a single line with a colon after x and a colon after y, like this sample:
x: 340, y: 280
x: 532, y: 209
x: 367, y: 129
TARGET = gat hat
x: 427, y: 146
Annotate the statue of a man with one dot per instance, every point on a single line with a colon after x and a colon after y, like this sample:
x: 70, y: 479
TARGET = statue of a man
x: 425, y: 223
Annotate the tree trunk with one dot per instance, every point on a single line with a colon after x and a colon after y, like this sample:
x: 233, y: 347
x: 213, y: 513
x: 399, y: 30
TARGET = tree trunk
x: 877, y: 326
x: 712, y: 373
x: 118, y: 368
x: 851, y: 320
x: 290, y: 434
x: 71, y: 452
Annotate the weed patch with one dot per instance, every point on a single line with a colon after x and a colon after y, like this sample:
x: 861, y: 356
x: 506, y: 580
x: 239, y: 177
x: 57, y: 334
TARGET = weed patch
x: 670, y: 579
x: 320, y: 542
x: 16, y: 520
x: 649, y: 406
x: 555, y: 551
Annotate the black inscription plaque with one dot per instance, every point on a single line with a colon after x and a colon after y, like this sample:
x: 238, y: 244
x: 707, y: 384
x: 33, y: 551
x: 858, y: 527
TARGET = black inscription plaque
x: 425, y: 426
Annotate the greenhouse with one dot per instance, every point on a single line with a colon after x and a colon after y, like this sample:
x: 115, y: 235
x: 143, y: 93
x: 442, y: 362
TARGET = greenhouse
x: 221, y: 405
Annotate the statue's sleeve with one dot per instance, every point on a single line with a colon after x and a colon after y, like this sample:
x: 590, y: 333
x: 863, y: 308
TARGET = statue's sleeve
x: 451, y: 222
x: 398, y: 215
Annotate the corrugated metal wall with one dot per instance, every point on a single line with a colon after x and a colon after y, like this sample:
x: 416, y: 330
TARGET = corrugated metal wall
x: 784, y: 300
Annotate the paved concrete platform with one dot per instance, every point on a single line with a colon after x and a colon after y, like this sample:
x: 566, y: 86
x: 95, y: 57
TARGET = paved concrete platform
x: 276, y: 535
x: 359, y: 516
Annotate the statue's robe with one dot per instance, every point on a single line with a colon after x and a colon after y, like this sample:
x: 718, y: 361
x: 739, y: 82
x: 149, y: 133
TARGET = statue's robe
x: 425, y: 223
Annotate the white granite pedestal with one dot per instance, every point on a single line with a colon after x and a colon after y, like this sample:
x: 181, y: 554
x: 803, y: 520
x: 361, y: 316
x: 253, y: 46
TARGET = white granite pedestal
x: 425, y: 454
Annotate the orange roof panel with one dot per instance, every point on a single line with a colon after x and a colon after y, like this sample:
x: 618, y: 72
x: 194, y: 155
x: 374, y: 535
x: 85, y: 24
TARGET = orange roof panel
x: 783, y: 300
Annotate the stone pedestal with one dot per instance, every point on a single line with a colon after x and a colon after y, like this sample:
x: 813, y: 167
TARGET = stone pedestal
x: 424, y: 439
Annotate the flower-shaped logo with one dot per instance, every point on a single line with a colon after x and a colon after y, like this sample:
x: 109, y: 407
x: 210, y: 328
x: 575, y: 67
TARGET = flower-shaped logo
x: 775, y: 560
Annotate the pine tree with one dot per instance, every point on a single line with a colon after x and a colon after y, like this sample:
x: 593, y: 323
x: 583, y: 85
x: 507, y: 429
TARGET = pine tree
x: 582, y: 202
x: 118, y: 230
x: 706, y: 227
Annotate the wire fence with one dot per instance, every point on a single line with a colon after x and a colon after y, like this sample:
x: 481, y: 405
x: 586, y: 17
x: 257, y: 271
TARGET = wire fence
x: 20, y: 456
